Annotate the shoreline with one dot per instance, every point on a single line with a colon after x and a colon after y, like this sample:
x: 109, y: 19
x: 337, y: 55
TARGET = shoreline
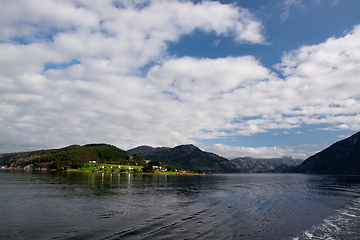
x: 164, y: 173
x: 143, y: 173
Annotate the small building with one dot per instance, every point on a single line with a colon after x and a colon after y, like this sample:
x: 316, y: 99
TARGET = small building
x: 129, y: 168
x: 93, y: 162
x: 101, y: 166
x: 155, y: 167
x: 117, y: 166
x: 109, y: 167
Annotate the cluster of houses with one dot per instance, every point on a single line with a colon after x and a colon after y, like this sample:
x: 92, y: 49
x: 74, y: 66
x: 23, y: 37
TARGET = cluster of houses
x: 155, y: 168
x: 116, y: 166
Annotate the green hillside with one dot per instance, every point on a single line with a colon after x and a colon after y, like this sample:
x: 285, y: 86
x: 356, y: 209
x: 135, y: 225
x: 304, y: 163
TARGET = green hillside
x: 90, y: 157
x: 73, y: 156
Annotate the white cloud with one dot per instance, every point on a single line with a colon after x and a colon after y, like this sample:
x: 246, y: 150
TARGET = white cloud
x: 334, y: 3
x: 217, y: 42
x: 343, y: 126
x: 343, y: 136
x: 206, y: 79
x: 324, y: 80
x: 102, y: 96
x: 287, y: 4
x: 232, y: 152
x: 124, y: 39
x: 99, y: 98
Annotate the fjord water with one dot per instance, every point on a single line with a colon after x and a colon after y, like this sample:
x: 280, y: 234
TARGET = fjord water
x: 81, y: 205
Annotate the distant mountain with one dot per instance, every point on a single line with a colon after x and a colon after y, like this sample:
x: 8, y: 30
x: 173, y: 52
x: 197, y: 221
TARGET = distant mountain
x: 188, y: 157
x: 282, y: 168
x: 286, y: 160
x: 262, y: 165
x: 342, y: 157
x: 251, y: 165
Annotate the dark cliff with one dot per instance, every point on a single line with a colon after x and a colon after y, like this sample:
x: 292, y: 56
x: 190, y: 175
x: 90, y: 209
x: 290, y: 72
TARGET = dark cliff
x: 342, y: 157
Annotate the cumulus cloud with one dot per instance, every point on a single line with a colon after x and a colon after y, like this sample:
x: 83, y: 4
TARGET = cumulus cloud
x: 98, y: 71
x: 120, y: 39
x: 69, y: 69
x: 325, y: 78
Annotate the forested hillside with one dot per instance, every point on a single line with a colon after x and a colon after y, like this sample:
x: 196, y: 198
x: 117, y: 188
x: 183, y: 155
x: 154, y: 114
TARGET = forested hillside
x: 74, y: 156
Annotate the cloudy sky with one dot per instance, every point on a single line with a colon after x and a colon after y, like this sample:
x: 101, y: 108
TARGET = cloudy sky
x: 262, y: 78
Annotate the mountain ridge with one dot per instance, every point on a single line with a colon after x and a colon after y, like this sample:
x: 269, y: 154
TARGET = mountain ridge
x: 342, y: 157
x: 251, y: 165
x: 188, y: 157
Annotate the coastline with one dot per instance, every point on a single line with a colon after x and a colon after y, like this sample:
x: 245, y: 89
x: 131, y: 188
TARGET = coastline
x: 142, y: 173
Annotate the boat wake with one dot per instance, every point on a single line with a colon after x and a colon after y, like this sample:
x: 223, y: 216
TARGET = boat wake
x: 344, y: 225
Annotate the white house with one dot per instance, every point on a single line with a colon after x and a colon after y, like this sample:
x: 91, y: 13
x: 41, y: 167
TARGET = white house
x: 129, y: 168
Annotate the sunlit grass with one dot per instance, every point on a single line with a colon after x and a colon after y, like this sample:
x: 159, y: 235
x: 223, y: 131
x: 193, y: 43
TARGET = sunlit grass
x: 107, y: 168
x: 136, y: 169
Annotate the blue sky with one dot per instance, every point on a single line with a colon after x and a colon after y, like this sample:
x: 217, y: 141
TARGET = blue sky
x: 237, y: 78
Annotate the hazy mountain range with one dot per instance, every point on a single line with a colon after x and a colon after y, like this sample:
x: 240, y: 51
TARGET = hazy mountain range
x: 252, y: 165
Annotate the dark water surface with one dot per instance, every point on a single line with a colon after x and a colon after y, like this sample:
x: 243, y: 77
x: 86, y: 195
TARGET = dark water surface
x: 79, y: 205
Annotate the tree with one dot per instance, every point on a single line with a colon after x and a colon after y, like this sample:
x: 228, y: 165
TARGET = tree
x: 148, y: 169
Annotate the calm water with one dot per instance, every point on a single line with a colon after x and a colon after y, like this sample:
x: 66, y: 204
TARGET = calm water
x: 64, y: 205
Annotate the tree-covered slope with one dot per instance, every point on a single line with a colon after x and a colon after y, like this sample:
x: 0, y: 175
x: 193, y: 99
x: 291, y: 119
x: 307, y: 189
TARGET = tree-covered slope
x: 72, y: 156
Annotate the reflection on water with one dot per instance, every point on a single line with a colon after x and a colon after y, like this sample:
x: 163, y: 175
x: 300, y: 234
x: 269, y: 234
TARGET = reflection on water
x: 62, y: 205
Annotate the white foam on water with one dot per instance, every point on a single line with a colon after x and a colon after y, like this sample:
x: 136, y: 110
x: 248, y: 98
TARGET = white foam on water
x: 344, y: 225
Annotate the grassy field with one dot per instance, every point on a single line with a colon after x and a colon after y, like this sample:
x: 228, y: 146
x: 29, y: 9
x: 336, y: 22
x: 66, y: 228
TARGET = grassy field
x: 92, y: 167
x: 182, y: 173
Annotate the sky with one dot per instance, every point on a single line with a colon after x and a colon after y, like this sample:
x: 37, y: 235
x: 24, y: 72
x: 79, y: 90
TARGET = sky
x: 265, y: 78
